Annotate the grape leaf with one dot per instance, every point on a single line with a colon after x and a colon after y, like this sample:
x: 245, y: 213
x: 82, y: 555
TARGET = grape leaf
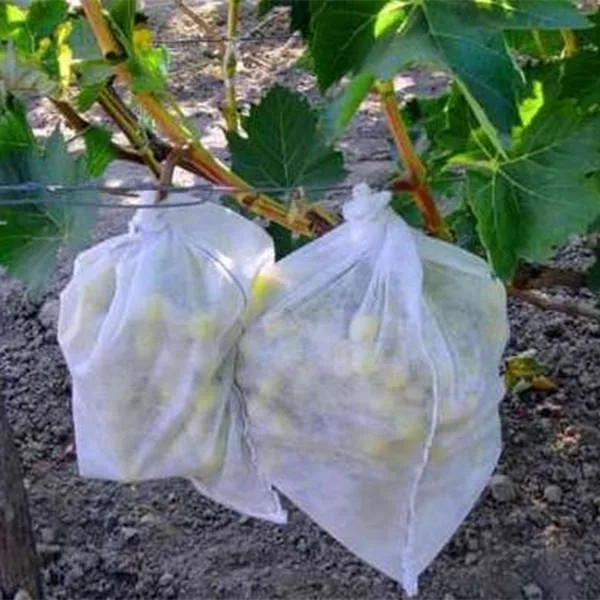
x: 32, y: 233
x: 342, y: 35
x: 463, y: 37
x: 43, y: 17
x: 283, y: 147
x: 20, y: 76
x: 580, y: 79
x: 530, y: 202
x: 100, y: 151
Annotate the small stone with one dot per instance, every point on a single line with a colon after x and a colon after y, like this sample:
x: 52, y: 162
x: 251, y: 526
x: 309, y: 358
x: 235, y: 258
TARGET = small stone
x: 76, y: 572
x: 470, y: 559
x: 553, y: 494
x: 502, y: 488
x: 48, y: 550
x: 48, y: 315
x: 243, y: 519
x: 129, y: 533
x: 48, y: 535
x: 448, y: 597
x: 22, y: 595
x: 531, y: 591
x: 148, y: 519
x: 166, y: 579
x: 588, y: 470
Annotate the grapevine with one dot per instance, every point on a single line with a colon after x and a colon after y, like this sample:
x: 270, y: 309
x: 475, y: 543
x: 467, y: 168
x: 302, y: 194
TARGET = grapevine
x: 504, y: 163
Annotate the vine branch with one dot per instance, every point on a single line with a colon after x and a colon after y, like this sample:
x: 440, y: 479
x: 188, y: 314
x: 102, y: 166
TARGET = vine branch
x: 541, y: 300
x: 78, y: 124
x: 230, y: 109
x: 570, y: 40
x: 307, y: 223
x: 417, y: 171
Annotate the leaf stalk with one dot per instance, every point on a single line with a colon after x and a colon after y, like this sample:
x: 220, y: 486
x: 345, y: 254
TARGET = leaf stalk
x: 418, y: 173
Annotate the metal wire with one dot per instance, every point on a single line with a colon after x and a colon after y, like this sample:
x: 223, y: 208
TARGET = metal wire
x: 35, y: 188
x: 217, y: 40
x: 59, y: 191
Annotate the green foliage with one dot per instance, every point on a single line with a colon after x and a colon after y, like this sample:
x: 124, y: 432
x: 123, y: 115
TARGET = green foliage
x: 33, y: 231
x: 283, y: 147
x: 511, y: 148
x: 99, y: 149
x: 531, y: 201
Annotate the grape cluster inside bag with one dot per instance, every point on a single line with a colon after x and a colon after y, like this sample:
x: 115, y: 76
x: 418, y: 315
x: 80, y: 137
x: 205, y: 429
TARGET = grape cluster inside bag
x: 372, y: 382
x: 149, y: 325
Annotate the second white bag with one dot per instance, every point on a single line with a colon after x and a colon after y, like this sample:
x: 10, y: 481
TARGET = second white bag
x: 372, y: 382
x: 149, y: 326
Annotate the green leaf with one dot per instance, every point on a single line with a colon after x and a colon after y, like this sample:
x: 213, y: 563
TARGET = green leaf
x: 464, y: 225
x: 122, y: 14
x: 342, y: 35
x: 15, y: 133
x: 88, y: 95
x: 531, y: 201
x: 44, y: 16
x: 581, y: 79
x: 100, y: 151
x: 535, y: 44
x: 285, y: 241
x: 149, y: 70
x: 31, y: 234
x: 283, y: 147
x: 404, y: 205
x: 463, y: 37
x: 21, y: 76
x: 12, y: 18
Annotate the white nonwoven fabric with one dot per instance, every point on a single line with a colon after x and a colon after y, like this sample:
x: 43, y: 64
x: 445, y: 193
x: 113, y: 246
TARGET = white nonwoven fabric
x: 371, y: 377
x: 149, y: 325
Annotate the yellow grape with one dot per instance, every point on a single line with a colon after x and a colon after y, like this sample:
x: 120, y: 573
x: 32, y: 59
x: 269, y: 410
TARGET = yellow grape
x: 364, y: 328
x: 206, y: 398
x: 154, y: 309
x: 202, y: 326
x: 270, y: 387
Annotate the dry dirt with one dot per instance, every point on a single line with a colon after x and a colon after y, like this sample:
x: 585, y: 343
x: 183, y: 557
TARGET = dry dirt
x: 162, y: 540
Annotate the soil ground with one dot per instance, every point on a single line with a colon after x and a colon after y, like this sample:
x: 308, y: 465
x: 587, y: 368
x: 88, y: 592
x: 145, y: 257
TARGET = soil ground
x: 163, y: 540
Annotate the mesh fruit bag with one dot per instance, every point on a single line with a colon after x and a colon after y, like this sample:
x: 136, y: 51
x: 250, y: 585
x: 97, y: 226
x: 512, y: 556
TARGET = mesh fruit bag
x: 149, y: 325
x: 371, y: 376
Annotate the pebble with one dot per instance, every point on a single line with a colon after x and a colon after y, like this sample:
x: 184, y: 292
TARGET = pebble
x: 48, y: 315
x: 48, y: 535
x: 22, y: 595
x: 553, y: 494
x: 148, y: 519
x: 531, y: 591
x: 166, y: 579
x: 129, y: 533
x: 502, y: 488
x: 448, y: 597
x: 588, y: 470
x: 470, y: 559
x: 48, y: 549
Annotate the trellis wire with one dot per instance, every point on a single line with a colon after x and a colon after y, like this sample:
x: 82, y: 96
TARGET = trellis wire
x: 57, y: 189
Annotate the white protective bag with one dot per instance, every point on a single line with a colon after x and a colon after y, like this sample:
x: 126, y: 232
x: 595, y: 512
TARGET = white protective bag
x: 372, y: 384
x: 149, y: 326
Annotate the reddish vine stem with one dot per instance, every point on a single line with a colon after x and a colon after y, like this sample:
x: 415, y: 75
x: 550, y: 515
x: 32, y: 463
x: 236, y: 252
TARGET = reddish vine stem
x: 418, y: 174
x: 540, y: 300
